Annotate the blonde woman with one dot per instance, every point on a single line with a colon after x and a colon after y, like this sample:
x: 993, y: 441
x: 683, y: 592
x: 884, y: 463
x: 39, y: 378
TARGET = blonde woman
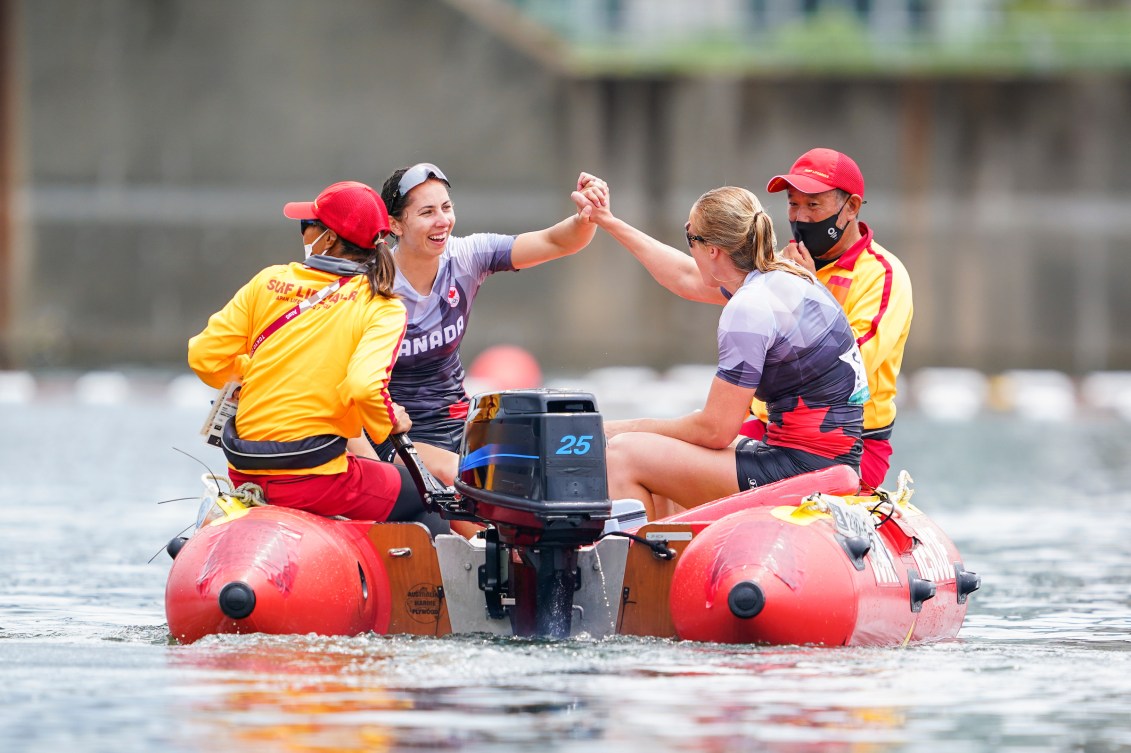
x: 781, y: 336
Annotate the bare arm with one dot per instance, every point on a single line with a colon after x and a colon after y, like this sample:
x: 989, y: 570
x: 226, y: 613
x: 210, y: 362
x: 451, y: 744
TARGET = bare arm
x: 668, y: 266
x: 360, y: 445
x: 563, y: 239
x: 714, y: 427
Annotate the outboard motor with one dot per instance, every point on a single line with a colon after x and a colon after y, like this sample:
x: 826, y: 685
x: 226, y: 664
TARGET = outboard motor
x: 533, y: 467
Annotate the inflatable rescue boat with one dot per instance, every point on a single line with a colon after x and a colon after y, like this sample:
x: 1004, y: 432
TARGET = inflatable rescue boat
x: 807, y: 560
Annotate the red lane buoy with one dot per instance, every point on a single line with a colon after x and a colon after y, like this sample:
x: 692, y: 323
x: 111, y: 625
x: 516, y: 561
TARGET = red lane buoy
x: 504, y: 367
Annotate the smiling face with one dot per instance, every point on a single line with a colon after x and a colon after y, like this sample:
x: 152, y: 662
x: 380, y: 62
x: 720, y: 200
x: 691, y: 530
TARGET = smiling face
x: 427, y: 220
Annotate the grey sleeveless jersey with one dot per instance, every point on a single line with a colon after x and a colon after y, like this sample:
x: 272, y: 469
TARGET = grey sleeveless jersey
x: 428, y: 376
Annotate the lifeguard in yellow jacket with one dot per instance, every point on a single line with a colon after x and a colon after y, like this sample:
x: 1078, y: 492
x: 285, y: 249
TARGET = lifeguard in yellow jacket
x: 826, y: 190
x: 312, y: 345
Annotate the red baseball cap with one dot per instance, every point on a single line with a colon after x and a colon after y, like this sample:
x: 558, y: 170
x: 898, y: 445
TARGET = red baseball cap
x: 820, y: 170
x: 352, y: 210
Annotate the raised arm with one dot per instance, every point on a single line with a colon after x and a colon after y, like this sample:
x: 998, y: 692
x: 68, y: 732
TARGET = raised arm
x: 668, y: 266
x: 563, y: 239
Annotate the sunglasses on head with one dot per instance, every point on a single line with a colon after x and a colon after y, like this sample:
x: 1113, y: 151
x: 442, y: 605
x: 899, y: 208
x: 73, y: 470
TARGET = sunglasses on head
x: 416, y: 175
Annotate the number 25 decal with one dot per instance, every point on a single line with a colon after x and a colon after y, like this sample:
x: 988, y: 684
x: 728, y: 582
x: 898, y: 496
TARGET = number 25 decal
x: 572, y: 445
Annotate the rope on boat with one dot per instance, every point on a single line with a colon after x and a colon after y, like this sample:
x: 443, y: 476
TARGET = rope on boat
x: 884, y: 505
x: 250, y: 494
x: 849, y: 515
x: 900, y: 498
x: 896, y: 501
x: 903, y: 490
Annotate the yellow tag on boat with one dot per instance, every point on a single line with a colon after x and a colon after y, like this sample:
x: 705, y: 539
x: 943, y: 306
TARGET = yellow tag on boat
x: 800, y: 516
x: 232, y: 507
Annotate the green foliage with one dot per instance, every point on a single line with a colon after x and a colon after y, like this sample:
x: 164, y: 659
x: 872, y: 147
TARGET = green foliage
x: 1024, y: 37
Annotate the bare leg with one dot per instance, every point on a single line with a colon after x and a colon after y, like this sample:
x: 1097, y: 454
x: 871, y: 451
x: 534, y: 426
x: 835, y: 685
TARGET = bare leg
x: 440, y: 462
x: 665, y: 508
x: 642, y: 465
x: 443, y: 465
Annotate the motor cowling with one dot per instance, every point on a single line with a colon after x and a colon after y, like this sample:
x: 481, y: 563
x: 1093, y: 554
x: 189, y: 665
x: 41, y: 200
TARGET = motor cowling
x: 533, y: 464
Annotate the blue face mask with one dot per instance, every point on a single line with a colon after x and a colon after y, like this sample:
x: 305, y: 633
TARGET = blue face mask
x: 819, y: 237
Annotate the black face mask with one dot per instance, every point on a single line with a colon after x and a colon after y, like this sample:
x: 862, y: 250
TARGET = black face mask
x: 819, y: 237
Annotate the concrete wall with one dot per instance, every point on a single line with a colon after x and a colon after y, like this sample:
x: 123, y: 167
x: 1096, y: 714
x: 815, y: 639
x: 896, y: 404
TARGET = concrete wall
x: 157, y: 141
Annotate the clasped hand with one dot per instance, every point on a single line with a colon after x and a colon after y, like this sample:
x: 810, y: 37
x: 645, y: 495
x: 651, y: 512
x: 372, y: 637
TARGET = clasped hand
x: 592, y: 198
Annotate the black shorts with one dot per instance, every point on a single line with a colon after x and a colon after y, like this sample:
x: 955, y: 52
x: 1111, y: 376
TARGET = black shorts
x: 760, y: 464
x: 446, y: 434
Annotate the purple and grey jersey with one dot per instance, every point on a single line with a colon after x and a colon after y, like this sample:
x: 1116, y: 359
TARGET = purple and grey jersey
x: 428, y: 376
x: 789, y: 340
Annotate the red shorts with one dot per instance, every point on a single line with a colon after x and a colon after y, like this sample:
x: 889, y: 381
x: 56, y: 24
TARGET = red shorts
x: 874, y: 463
x: 366, y: 490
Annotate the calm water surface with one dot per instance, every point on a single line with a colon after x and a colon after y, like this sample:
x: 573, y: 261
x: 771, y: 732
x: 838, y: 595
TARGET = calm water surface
x: 1041, y: 511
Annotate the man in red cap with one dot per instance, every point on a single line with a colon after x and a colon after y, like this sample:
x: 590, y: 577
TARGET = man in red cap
x: 825, y: 189
x: 311, y: 345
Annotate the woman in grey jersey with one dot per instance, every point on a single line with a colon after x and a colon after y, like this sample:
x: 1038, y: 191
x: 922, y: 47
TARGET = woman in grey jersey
x: 438, y: 276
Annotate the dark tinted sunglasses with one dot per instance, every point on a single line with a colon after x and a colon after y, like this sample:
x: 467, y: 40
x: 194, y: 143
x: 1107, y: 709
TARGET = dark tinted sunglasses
x: 304, y: 224
x: 692, y: 238
x: 416, y: 175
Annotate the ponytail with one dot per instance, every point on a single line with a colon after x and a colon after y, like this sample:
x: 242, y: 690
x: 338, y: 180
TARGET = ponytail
x: 380, y: 271
x: 733, y: 219
x: 765, y: 257
x: 376, y: 263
